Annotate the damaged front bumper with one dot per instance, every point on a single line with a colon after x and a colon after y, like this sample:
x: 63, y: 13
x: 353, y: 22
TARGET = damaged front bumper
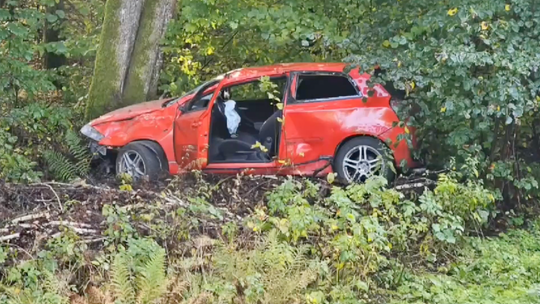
x: 94, y: 137
x: 96, y: 148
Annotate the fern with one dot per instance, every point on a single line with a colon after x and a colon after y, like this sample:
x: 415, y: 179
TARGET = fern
x: 79, y: 151
x: 121, y: 280
x: 139, y: 284
x: 65, y: 168
x: 152, y: 282
x: 60, y: 166
x: 284, y: 270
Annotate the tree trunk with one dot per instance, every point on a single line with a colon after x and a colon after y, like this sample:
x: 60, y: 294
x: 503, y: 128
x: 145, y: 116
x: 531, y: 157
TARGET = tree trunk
x: 128, y: 56
x: 113, y: 57
x: 51, y: 33
x: 142, y: 80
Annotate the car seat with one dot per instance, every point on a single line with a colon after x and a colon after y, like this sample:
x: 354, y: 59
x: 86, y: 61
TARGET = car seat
x: 268, y: 136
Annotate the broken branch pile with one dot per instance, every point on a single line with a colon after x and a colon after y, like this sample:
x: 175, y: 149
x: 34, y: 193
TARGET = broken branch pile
x: 32, y: 214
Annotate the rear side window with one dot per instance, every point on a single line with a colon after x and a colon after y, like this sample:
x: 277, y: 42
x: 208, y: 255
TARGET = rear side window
x: 311, y: 87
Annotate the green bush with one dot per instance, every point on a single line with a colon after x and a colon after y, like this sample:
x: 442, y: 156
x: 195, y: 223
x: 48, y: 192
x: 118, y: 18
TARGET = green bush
x: 31, y: 150
x: 14, y: 166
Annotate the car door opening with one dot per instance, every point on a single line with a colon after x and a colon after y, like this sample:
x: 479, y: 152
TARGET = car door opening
x: 245, y: 125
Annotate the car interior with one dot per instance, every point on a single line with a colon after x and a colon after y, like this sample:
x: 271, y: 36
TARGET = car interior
x: 259, y: 123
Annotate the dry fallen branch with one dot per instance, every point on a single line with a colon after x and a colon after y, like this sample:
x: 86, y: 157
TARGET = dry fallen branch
x: 70, y: 224
x: 30, y: 217
x: 55, y: 194
x: 10, y: 237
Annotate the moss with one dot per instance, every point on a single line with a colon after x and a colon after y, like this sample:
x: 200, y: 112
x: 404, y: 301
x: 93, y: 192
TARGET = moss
x: 104, y: 93
x: 140, y: 72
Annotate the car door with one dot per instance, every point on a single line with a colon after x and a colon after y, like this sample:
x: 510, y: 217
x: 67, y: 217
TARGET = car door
x: 239, y: 83
x: 191, y: 128
x: 314, y: 118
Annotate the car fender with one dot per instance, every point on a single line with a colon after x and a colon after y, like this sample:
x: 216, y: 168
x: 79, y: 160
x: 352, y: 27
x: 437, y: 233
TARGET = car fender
x: 158, y: 150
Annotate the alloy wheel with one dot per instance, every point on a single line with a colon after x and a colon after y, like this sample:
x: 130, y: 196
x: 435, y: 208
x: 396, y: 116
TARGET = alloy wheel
x: 133, y: 164
x: 362, y: 162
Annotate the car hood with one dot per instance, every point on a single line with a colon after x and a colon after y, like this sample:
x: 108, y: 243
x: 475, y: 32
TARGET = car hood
x: 132, y: 111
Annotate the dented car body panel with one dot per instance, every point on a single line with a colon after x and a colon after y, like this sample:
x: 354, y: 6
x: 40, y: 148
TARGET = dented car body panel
x: 150, y: 121
x: 311, y: 131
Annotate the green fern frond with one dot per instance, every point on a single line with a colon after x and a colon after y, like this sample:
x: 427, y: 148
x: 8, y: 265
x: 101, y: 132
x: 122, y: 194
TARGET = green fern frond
x: 122, y: 285
x: 79, y: 151
x: 60, y: 166
x: 78, y: 162
x: 50, y: 283
x: 152, y: 281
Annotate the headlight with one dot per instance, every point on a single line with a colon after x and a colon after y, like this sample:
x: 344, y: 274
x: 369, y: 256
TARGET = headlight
x: 92, y: 133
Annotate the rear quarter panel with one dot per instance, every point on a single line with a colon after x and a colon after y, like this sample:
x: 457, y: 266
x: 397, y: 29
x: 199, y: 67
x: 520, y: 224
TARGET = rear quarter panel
x: 317, y: 129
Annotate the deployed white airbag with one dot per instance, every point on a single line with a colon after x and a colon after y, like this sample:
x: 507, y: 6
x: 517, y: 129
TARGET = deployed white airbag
x: 233, y: 119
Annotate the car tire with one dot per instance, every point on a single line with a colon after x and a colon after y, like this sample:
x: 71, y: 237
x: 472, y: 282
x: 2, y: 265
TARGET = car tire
x: 351, y: 166
x: 156, y: 148
x: 138, y: 160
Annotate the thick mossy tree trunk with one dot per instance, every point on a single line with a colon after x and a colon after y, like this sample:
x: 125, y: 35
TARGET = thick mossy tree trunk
x: 146, y: 61
x: 128, y: 58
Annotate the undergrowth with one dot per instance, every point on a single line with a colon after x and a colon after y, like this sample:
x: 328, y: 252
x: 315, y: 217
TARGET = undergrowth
x: 41, y: 142
x: 68, y: 168
x: 310, y: 242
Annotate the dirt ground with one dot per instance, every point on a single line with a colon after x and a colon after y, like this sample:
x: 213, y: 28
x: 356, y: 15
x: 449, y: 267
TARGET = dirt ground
x: 32, y: 214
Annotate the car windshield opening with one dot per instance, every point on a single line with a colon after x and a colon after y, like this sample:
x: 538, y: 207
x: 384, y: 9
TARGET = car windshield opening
x: 203, y: 86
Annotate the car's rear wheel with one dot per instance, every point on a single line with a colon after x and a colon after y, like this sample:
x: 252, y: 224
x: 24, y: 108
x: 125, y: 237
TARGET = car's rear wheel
x: 361, y: 158
x: 137, y: 160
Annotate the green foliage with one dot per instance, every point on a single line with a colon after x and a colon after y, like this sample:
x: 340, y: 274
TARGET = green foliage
x: 471, y: 70
x: 18, y: 32
x: 61, y: 166
x: 496, y: 270
x: 34, y: 282
x: 119, y: 228
x: 34, y: 144
x: 358, y: 226
x: 138, y: 274
x: 31, y: 105
x: 14, y: 166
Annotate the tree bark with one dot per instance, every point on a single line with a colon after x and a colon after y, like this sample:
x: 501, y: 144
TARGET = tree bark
x: 128, y: 57
x: 52, y: 34
x: 142, y: 80
x: 113, y: 57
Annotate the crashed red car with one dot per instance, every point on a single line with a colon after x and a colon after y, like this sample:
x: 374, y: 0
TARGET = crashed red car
x: 293, y: 119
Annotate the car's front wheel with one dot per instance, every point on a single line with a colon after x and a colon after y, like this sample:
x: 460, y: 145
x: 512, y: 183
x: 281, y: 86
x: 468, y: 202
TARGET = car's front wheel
x: 137, y: 160
x: 361, y: 158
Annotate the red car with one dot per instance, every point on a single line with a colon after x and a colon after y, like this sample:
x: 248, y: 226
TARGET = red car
x: 294, y: 119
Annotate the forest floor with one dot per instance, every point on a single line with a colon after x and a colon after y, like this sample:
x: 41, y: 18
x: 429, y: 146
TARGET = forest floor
x: 503, y: 268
